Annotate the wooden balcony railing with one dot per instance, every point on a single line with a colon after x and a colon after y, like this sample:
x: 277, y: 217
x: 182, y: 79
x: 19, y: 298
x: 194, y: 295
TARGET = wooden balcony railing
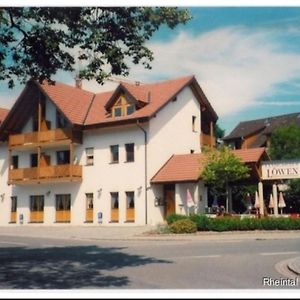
x: 207, y: 140
x: 45, y: 174
x: 89, y: 215
x: 130, y: 215
x: 63, y: 216
x: 43, y: 137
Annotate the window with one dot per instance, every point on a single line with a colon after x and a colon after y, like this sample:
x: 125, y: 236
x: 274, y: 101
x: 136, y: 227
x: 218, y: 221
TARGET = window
x: 89, y: 156
x: 114, y: 150
x: 89, y: 200
x: 130, y: 109
x: 123, y: 107
x: 194, y: 123
x: 14, y: 201
x: 130, y: 199
x: 37, y: 203
x: 33, y: 160
x: 61, y: 122
x: 63, y: 157
x: 114, y: 200
x: 118, y: 111
x: 15, y: 162
x: 63, y: 202
x: 129, y: 152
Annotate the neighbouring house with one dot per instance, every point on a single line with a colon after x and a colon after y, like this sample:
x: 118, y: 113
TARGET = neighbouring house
x: 257, y: 133
x: 68, y: 155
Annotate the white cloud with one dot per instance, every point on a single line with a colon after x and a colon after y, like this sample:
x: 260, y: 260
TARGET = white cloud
x: 236, y: 67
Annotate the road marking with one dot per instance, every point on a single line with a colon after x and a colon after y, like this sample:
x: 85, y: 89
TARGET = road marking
x: 279, y: 253
x: 194, y: 256
x: 14, y: 243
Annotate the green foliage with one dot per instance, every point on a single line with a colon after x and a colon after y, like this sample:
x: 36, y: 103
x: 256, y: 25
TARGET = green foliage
x: 219, y: 132
x: 222, y: 168
x: 201, y: 221
x: 285, y: 142
x: 183, y: 226
x: 37, y: 42
x: 175, y: 217
x: 292, y: 197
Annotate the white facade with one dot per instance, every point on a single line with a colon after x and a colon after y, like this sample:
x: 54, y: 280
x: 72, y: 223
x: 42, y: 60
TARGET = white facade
x: 170, y: 131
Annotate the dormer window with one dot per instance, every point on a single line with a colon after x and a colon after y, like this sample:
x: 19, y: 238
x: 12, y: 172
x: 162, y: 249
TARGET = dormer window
x: 122, y: 107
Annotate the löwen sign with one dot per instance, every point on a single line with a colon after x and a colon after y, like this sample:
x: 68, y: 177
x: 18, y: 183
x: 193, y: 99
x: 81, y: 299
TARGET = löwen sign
x: 280, y: 169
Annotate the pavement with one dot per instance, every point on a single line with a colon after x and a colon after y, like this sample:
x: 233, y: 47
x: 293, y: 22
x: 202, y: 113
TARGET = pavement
x: 146, y: 233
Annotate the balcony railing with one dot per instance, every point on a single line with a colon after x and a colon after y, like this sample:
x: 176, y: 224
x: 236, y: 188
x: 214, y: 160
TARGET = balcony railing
x: 43, y: 137
x: 45, y: 174
x: 207, y: 140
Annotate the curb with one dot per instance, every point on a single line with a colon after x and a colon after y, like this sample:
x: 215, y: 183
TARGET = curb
x: 294, y: 265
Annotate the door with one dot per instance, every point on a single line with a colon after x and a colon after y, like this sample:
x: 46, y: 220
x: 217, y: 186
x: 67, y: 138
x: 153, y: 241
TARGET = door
x: 169, y: 195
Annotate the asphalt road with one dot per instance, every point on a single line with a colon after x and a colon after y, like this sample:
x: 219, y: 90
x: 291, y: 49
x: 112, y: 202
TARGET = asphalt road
x: 43, y: 263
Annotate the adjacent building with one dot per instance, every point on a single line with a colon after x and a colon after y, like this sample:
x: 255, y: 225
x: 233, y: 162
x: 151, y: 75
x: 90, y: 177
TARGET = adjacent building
x: 68, y: 155
x: 257, y: 133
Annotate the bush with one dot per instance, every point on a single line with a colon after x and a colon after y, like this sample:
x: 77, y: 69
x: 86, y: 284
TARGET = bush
x: 202, y: 222
x: 183, y: 226
x: 175, y: 217
x: 224, y: 224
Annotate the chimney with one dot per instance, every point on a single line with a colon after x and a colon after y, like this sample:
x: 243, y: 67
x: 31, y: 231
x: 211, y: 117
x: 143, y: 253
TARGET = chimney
x: 78, y: 82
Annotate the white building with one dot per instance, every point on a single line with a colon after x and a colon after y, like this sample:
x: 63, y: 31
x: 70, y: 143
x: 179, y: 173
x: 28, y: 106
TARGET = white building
x: 71, y: 156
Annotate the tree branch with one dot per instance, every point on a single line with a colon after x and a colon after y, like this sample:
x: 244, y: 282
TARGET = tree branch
x: 14, y: 25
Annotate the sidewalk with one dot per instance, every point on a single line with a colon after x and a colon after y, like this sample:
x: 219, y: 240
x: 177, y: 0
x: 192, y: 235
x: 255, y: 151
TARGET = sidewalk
x: 294, y: 265
x: 136, y: 233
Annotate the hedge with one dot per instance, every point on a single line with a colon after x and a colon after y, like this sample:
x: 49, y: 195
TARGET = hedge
x: 204, y: 223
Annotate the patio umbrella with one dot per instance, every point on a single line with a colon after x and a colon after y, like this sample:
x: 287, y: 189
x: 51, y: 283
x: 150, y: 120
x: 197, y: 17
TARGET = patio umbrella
x: 256, y: 204
x: 281, y: 203
x: 271, y: 203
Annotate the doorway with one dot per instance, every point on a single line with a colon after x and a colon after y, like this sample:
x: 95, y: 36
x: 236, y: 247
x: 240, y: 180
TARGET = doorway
x: 169, y: 196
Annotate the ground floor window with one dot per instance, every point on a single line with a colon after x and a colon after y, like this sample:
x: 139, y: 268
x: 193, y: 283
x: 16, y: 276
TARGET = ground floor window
x: 89, y: 206
x: 130, y: 205
x: 13, y: 210
x: 63, y: 208
x: 37, y: 208
x: 114, y: 206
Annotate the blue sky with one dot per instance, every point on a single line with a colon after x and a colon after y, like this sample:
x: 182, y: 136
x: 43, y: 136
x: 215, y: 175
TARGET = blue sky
x: 246, y: 59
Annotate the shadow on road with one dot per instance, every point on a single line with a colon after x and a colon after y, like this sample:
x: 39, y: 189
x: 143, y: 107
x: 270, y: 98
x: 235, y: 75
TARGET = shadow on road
x: 66, y: 267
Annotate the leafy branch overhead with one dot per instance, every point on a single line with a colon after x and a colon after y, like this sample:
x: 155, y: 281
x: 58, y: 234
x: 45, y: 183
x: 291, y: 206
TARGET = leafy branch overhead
x: 37, y: 42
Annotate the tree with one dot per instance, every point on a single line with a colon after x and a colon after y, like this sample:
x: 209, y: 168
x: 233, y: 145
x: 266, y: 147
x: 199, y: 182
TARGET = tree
x: 285, y: 142
x: 36, y: 42
x: 221, y: 169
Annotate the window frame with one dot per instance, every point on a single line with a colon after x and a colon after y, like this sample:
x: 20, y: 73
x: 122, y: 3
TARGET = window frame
x: 89, y: 156
x: 129, y: 154
x: 112, y: 153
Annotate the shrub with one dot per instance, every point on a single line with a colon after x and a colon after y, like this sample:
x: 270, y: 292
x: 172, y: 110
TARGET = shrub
x: 224, y: 224
x: 202, y: 222
x: 183, y: 226
x: 175, y: 217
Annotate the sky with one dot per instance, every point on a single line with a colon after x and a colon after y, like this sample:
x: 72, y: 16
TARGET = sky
x: 246, y: 59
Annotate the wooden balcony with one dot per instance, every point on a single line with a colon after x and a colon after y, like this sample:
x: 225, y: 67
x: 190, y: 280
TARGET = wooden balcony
x: 130, y: 215
x: 207, y: 140
x: 58, y: 173
x: 63, y: 216
x: 36, y: 217
x: 89, y: 215
x: 39, y: 138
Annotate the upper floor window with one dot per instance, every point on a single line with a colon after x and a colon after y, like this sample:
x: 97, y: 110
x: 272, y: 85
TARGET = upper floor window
x: 33, y: 160
x: 129, y: 152
x: 114, y: 151
x: 61, y: 122
x: 89, y: 156
x: 122, y: 107
x: 15, y: 162
x: 194, y: 118
x: 63, y: 157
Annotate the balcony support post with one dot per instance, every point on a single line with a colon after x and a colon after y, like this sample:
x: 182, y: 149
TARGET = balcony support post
x: 71, y: 160
x: 38, y: 162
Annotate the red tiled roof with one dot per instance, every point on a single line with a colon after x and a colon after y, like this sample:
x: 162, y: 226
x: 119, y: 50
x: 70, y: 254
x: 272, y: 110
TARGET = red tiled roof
x: 3, y: 113
x: 160, y: 93
x: 188, y: 167
x: 72, y: 101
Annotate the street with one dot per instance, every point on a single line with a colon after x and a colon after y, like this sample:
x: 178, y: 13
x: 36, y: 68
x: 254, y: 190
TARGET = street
x: 49, y: 263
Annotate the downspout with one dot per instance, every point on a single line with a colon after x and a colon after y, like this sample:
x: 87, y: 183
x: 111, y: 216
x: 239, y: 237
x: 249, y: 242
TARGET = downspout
x: 145, y: 162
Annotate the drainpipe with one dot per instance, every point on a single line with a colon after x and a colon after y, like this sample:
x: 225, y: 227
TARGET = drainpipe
x: 145, y: 144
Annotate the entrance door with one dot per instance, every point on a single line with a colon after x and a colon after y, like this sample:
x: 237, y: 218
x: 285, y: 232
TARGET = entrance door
x: 169, y: 195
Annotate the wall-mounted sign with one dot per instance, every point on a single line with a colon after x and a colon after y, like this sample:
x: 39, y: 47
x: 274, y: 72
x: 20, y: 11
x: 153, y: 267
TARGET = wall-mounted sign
x: 280, y: 169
